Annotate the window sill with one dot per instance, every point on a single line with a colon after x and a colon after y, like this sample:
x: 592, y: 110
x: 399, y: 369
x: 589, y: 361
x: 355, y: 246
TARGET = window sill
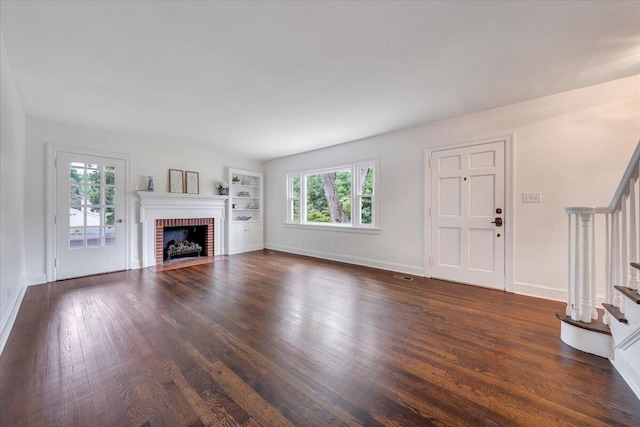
x: 338, y: 228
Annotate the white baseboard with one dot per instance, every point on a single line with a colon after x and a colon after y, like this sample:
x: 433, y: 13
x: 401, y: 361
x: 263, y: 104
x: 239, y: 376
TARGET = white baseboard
x: 136, y: 264
x: 12, y: 313
x: 539, y: 291
x: 38, y: 279
x: 367, y: 262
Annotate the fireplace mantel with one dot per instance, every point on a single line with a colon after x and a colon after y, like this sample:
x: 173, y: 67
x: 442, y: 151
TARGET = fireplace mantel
x: 154, y: 205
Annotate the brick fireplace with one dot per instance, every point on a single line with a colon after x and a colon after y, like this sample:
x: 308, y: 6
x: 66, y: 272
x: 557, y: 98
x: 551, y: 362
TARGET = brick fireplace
x: 209, y: 223
x: 159, y: 210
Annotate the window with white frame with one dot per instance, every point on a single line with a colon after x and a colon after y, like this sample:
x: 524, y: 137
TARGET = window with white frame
x: 341, y: 196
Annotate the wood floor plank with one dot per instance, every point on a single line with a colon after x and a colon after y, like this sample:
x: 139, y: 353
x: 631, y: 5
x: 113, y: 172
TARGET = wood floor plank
x: 244, y: 395
x: 271, y: 339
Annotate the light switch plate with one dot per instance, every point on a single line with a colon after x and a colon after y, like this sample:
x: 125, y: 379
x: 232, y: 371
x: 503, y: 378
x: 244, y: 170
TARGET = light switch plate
x: 531, y: 197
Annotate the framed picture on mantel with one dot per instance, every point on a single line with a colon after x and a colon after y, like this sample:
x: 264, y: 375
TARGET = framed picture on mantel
x: 176, y: 181
x: 192, y: 180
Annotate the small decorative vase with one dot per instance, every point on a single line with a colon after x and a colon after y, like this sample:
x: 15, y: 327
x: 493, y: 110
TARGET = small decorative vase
x: 224, y: 191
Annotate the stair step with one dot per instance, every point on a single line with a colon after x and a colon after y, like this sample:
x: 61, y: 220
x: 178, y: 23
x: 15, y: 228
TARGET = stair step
x: 616, y: 313
x: 635, y: 265
x: 632, y: 294
x: 594, y: 326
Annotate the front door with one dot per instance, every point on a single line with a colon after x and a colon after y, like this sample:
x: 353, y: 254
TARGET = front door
x: 90, y: 208
x: 467, y: 215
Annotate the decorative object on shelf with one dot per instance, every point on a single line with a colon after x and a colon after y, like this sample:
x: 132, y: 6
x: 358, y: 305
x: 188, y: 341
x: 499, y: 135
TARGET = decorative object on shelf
x: 243, y: 218
x: 223, y: 188
x: 149, y: 183
x: 235, y: 180
x: 233, y: 206
x: 251, y: 206
x: 176, y: 181
x: 244, y: 194
x: 192, y: 180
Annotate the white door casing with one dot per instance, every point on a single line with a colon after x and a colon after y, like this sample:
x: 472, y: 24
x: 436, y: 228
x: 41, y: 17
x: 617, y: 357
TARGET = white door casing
x: 90, y: 212
x: 467, y: 190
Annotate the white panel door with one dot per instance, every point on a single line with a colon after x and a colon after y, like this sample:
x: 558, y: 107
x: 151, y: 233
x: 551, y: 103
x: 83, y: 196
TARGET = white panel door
x: 237, y: 237
x: 467, y: 206
x: 90, y: 211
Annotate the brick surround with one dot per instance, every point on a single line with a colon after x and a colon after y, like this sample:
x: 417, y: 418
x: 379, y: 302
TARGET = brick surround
x: 186, y: 222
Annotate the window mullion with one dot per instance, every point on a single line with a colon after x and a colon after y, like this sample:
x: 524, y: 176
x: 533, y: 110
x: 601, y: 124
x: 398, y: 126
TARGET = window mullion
x: 303, y: 198
x: 355, y: 196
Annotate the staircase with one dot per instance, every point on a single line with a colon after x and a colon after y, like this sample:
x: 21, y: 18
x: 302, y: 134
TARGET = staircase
x: 603, y: 271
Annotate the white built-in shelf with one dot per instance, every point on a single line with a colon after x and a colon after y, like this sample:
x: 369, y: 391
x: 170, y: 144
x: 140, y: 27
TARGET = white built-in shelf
x: 245, y: 235
x: 245, y: 185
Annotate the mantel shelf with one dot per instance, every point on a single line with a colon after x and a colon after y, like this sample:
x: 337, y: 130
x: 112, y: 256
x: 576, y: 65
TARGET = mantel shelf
x: 155, y: 195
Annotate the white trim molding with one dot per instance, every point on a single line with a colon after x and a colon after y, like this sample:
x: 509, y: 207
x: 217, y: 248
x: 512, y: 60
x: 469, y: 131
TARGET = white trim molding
x: 416, y: 270
x: 155, y: 206
x: 7, y: 323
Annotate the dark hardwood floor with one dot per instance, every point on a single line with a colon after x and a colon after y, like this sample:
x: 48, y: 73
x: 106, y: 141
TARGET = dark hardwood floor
x: 272, y: 339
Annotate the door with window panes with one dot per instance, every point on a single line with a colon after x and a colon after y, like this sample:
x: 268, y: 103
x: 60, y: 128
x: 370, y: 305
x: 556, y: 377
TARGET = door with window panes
x: 90, y: 234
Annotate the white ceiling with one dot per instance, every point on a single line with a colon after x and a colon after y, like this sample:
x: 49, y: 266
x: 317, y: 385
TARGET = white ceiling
x: 269, y: 79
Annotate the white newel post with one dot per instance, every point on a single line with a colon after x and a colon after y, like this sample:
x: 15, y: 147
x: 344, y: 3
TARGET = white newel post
x: 592, y: 261
x: 581, y: 303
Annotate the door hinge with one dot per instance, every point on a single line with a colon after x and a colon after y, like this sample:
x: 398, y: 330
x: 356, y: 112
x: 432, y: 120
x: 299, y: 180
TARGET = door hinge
x: 430, y: 162
x: 429, y: 211
x: 430, y: 260
x: 55, y: 219
x: 55, y: 262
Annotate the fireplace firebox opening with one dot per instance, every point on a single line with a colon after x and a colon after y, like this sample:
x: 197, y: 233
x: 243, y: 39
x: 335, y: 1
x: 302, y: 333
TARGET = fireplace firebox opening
x: 184, y: 238
x: 183, y: 242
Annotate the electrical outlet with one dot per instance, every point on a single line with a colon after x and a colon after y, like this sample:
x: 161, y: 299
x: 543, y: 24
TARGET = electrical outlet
x: 531, y: 197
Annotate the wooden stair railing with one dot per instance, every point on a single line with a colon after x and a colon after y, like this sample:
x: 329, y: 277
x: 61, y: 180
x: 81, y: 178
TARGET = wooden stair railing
x: 618, y: 241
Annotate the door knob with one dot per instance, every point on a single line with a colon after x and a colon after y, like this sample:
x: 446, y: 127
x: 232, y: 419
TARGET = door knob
x: 497, y: 222
x: 120, y: 221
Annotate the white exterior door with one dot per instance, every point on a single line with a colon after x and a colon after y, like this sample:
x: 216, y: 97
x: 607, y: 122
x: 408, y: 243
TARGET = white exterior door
x: 90, y: 211
x: 467, y: 215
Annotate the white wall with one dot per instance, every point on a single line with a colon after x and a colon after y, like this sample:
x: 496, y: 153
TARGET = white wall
x: 572, y: 147
x: 147, y: 156
x: 12, y: 162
